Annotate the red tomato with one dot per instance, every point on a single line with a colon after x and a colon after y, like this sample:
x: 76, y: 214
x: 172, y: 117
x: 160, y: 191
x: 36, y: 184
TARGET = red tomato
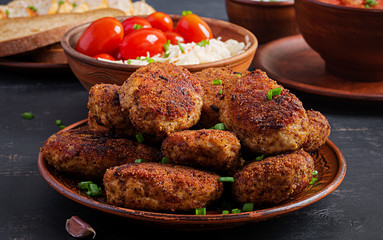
x: 141, y: 41
x: 193, y: 28
x: 105, y: 56
x: 102, y: 36
x: 174, y: 38
x: 130, y: 22
x: 160, y: 21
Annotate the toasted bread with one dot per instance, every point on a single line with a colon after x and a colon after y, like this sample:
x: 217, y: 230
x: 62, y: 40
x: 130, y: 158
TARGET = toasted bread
x: 26, y: 34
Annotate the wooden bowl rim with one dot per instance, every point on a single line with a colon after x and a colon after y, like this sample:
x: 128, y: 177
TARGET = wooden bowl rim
x: 69, y: 50
x: 188, y: 219
x: 264, y: 4
x: 344, y: 8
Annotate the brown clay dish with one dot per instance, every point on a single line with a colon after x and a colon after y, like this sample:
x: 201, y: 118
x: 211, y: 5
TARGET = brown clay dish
x: 295, y: 65
x: 329, y: 162
x: 90, y: 71
x: 267, y: 20
x: 348, y: 39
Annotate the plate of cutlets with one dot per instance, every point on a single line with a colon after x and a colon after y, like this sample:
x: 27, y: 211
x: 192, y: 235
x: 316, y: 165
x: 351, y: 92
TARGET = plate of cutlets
x: 209, y: 150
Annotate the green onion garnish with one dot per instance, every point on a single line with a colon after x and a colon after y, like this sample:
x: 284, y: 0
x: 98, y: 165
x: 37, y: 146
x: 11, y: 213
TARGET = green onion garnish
x: 226, y: 179
x: 220, y: 92
x: 61, y: 2
x: 217, y: 81
x: 181, y: 48
x: 184, y: 13
x: 200, y: 211
x: 235, y: 210
x: 140, y: 138
x: 58, y: 122
x: 129, y: 61
x: 92, y: 188
x: 239, y: 74
x: 219, y: 126
x: 248, y: 207
x: 370, y: 3
x: 225, y: 211
x: 27, y: 115
x: 260, y: 158
x: 139, y: 160
x: 149, y: 60
x: 74, y: 5
x: 313, y: 180
x: 166, y: 45
x: 315, y: 172
x: 7, y: 12
x: 203, y: 43
x: 164, y: 160
x: 273, y: 92
x: 167, y: 55
x: 137, y: 26
x: 33, y: 8
x: 62, y: 126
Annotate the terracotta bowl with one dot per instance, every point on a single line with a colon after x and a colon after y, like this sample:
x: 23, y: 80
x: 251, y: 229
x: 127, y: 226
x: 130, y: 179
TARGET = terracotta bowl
x: 91, y: 71
x: 267, y: 20
x: 348, y: 39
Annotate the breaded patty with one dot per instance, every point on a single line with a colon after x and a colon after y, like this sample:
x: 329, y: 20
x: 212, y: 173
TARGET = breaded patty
x: 211, y: 149
x: 162, y: 98
x: 273, y: 179
x: 161, y: 187
x: 88, y: 154
x: 213, y: 92
x: 105, y: 111
x: 264, y: 126
x: 318, y: 131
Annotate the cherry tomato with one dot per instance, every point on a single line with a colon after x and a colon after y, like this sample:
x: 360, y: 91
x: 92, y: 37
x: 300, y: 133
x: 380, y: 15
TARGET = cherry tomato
x: 174, y: 38
x: 130, y: 22
x: 105, y: 56
x: 193, y: 28
x: 102, y: 36
x: 160, y: 21
x: 141, y: 41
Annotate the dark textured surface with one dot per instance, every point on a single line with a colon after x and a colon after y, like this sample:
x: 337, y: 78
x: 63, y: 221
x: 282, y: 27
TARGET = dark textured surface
x: 31, y: 209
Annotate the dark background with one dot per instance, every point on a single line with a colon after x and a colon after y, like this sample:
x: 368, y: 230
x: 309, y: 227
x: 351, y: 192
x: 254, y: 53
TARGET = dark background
x: 31, y: 209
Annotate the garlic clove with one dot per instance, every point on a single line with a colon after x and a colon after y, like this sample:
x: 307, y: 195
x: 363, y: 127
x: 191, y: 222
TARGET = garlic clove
x: 76, y: 227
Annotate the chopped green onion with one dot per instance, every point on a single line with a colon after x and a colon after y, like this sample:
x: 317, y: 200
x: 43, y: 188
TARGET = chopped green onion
x: 62, y: 126
x: 129, y: 61
x: 7, y: 12
x: 235, y: 210
x: 370, y: 3
x: 181, y: 48
x: 33, y: 8
x: 203, y: 43
x: 58, y: 122
x: 140, y: 138
x: 226, y: 179
x: 164, y: 160
x: 27, y: 115
x: 92, y: 188
x: 217, y: 81
x: 74, y: 5
x: 219, y: 126
x: 149, y: 60
x: 248, y: 207
x: 273, y: 92
x: 315, y: 172
x: 313, y: 180
x: 260, y: 158
x: 167, y: 55
x: 139, y: 160
x: 61, y: 2
x: 220, y: 92
x: 200, y: 211
x: 166, y: 45
x: 239, y: 74
x: 225, y: 211
x: 184, y: 13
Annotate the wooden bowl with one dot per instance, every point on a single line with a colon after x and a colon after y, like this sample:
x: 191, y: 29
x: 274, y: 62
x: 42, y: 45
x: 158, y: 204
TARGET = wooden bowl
x: 350, y: 40
x: 267, y: 20
x: 90, y: 71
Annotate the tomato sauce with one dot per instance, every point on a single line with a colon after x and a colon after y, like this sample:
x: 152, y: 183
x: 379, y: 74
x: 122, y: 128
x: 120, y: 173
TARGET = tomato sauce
x: 373, y: 4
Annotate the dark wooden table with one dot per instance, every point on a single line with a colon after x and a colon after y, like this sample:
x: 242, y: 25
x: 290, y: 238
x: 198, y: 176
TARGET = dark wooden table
x: 31, y: 209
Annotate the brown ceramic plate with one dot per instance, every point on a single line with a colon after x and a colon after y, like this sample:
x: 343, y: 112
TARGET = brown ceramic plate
x: 295, y: 65
x: 329, y: 162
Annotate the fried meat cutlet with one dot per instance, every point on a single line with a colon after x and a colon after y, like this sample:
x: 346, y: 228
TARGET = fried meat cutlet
x: 161, y: 98
x: 161, y: 187
x: 105, y: 111
x: 273, y: 179
x: 211, y: 149
x: 87, y: 154
x: 318, y: 131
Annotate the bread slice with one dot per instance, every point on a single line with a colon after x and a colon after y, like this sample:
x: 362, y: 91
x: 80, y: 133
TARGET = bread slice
x: 142, y: 8
x: 26, y: 34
